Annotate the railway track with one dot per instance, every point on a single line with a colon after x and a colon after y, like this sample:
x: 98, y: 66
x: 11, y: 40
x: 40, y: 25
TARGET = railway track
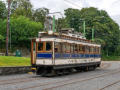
x: 29, y: 78
x: 32, y: 78
x: 19, y: 80
x: 110, y: 85
x: 15, y: 79
x: 68, y: 82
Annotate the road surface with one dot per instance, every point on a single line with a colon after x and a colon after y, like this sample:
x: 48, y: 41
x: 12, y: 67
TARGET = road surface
x: 105, y: 78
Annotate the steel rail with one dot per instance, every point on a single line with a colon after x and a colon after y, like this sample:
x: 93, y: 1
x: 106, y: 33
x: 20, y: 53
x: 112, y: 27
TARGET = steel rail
x: 110, y: 85
x: 70, y: 81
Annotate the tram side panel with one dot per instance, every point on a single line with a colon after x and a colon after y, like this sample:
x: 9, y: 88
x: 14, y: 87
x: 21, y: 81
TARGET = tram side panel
x: 75, y: 60
x: 63, y: 59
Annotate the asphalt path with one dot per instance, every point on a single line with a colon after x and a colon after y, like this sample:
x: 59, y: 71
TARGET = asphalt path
x: 107, y: 77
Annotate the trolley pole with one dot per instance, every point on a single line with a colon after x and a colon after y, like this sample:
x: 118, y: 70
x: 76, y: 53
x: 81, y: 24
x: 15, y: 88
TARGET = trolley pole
x: 7, y: 32
x: 84, y: 28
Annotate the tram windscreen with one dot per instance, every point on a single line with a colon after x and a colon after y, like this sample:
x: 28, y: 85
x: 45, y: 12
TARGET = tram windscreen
x: 48, y: 46
x: 40, y: 46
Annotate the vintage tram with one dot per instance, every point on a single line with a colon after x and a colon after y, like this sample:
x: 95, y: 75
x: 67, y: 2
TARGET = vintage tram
x: 58, y: 53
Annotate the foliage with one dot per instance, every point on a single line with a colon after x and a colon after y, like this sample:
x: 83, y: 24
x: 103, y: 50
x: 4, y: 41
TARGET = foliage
x: 73, y: 18
x: 106, y: 30
x: 21, y: 30
x: 21, y: 7
x: 14, y: 61
x: 61, y: 23
x: 25, y: 22
x: 40, y: 14
x: 2, y: 10
x: 1, y: 38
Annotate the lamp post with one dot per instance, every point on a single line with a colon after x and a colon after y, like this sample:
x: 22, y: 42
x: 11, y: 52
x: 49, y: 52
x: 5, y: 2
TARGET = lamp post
x: 7, y: 31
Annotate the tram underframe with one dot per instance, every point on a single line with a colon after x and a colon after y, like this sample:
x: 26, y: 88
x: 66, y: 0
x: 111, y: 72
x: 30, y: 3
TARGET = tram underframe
x: 47, y: 70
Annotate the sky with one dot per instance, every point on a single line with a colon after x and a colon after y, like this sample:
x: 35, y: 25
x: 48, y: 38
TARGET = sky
x: 111, y: 6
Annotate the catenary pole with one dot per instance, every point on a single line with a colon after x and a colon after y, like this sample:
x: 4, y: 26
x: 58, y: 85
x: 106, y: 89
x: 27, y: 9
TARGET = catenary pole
x: 7, y: 32
x: 84, y: 28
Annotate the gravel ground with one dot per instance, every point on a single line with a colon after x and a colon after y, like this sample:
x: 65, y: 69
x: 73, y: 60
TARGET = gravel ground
x: 105, y: 78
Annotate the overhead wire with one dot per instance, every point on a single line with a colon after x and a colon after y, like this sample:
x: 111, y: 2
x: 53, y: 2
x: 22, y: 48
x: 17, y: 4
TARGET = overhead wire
x: 73, y: 3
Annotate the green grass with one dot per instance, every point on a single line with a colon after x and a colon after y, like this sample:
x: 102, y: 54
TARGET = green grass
x: 6, y: 61
x: 14, y: 61
x: 111, y: 58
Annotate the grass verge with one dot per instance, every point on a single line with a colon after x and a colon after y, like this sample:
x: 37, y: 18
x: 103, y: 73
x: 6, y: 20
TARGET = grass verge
x: 111, y: 58
x: 14, y: 61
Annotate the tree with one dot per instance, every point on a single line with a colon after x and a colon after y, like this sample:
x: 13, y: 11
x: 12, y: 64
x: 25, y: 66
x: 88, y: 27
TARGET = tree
x: 21, y: 7
x: 106, y: 30
x: 22, y: 29
x: 73, y: 18
x: 61, y: 23
x: 40, y: 14
x: 1, y: 38
x: 2, y: 10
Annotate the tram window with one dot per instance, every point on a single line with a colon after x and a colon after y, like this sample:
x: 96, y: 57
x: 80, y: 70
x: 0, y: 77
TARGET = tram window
x: 88, y: 49
x: 99, y: 50
x: 60, y: 48
x: 40, y: 46
x: 68, y: 48
x: 80, y: 47
x: 94, y: 49
x: 71, y: 47
x: 76, y: 48
x: 83, y: 48
x: 48, y: 46
x: 57, y: 47
x: 91, y: 50
x: 64, y: 48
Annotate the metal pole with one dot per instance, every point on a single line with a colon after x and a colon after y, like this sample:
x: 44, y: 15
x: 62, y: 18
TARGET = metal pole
x: 92, y: 34
x: 53, y: 23
x: 84, y: 28
x: 7, y: 32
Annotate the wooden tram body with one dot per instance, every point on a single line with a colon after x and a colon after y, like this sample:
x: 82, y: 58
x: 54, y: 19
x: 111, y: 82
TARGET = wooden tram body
x: 57, y: 53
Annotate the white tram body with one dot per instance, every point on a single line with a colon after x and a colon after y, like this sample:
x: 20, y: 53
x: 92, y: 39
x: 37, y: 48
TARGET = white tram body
x: 63, y: 51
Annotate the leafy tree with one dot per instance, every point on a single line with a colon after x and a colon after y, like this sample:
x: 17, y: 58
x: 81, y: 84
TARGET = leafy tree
x: 61, y: 23
x: 73, y: 18
x: 1, y: 38
x: 106, y: 30
x: 22, y: 29
x: 21, y: 7
x: 40, y: 14
x: 2, y: 10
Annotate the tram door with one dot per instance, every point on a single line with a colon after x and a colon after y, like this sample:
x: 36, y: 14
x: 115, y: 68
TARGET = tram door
x: 33, y: 53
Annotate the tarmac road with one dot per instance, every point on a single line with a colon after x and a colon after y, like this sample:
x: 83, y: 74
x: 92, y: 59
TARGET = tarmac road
x: 105, y: 78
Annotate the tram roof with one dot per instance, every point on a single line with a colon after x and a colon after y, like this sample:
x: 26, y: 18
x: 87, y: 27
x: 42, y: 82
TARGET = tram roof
x: 62, y: 37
